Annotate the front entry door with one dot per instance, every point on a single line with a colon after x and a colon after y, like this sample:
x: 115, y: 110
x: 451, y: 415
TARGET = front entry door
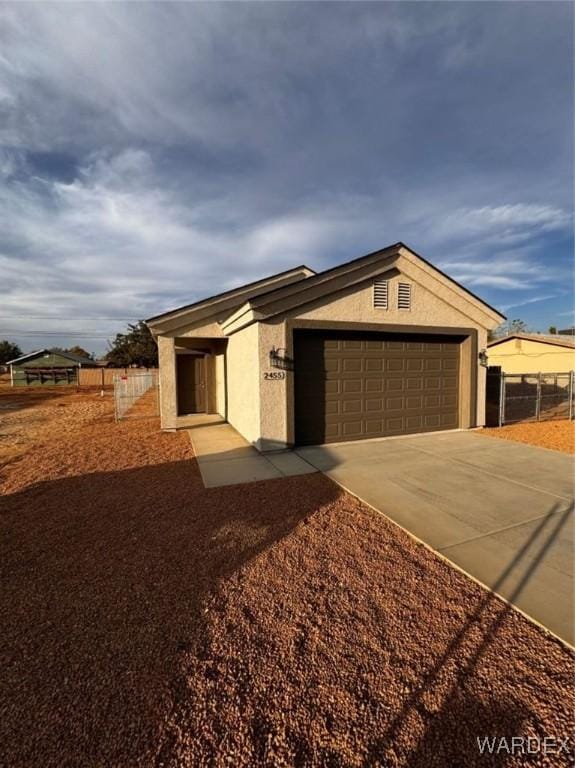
x: 191, y: 380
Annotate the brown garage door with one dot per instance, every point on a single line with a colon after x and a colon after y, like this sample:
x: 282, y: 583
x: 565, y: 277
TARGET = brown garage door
x: 352, y: 386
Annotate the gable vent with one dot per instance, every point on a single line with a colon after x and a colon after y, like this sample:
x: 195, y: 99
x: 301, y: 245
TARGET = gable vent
x: 380, y: 293
x: 404, y: 296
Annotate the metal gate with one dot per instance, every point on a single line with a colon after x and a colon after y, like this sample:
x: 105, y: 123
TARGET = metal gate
x: 514, y: 397
x: 129, y: 388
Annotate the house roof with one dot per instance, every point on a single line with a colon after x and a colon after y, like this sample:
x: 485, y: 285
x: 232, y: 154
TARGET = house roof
x: 68, y: 355
x: 544, y: 338
x: 355, y: 272
x: 243, y: 292
x: 320, y: 276
x: 254, y: 296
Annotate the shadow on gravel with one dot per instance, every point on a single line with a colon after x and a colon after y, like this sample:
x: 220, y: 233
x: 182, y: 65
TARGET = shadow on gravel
x: 451, y: 732
x: 19, y: 398
x: 105, y: 578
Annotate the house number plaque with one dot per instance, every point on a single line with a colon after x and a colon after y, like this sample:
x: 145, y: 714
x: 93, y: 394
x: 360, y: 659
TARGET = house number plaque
x: 274, y: 375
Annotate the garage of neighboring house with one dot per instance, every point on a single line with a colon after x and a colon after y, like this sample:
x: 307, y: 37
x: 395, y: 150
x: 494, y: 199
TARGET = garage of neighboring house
x: 47, y: 367
x: 383, y: 345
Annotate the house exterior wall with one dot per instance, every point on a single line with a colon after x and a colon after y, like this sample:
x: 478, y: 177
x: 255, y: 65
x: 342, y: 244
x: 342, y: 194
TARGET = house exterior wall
x: 167, y: 382
x: 243, y: 380
x: 530, y: 356
x: 220, y: 381
x: 258, y: 399
x: 355, y: 308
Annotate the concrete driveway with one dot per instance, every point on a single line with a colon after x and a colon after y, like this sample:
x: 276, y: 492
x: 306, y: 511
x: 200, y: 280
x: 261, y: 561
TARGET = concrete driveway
x: 502, y: 511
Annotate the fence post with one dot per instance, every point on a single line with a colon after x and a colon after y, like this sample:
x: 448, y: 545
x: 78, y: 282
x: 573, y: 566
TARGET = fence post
x: 571, y: 395
x: 502, y: 399
x: 538, y: 401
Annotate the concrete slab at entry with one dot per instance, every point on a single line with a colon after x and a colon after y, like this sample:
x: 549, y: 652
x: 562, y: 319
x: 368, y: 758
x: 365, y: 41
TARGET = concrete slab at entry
x: 501, y: 511
x: 226, y: 458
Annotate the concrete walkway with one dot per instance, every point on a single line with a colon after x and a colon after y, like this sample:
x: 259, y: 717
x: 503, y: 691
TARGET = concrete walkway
x: 502, y: 511
x: 226, y: 458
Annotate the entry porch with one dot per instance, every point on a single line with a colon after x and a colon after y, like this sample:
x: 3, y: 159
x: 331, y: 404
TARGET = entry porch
x: 192, y: 381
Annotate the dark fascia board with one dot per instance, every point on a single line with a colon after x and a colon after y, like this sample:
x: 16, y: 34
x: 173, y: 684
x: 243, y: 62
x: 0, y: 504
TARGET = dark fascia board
x: 67, y: 355
x: 532, y: 337
x: 264, y: 298
x: 447, y: 277
x: 388, y: 250
x: 225, y: 294
x: 28, y: 356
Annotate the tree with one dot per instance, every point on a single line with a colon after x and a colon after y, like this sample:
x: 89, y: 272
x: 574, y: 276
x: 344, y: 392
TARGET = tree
x: 9, y: 351
x: 509, y: 328
x: 75, y: 350
x: 135, y: 347
x: 80, y: 352
x: 552, y: 329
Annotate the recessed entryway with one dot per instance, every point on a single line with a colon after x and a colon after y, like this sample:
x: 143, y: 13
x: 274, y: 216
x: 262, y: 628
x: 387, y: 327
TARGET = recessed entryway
x: 191, y: 383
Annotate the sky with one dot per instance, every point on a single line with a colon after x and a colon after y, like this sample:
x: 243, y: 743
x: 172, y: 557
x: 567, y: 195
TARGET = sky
x: 153, y: 154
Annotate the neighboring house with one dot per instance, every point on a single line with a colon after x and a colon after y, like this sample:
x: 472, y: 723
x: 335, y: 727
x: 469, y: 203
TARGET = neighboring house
x: 382, y: 345
x: 533, y: 353
x: 45, y: 367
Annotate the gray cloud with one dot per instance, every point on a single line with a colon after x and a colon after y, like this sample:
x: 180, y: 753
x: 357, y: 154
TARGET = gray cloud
x: 150, y: 149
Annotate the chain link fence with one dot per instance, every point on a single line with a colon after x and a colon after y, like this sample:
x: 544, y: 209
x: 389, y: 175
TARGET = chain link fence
x: 129, y: 388
x: 514, y: 397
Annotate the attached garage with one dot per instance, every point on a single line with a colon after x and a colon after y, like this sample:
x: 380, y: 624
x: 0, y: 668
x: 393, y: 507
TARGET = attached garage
x: 354, y: 385
x: 379, y: 346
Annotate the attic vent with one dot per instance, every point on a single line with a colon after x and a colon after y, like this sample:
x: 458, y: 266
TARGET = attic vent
x: 380, y: 293
x: 404, y: 295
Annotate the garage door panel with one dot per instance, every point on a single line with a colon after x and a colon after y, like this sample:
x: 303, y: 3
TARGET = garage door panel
x: 352, y: 429
x: 394, y: 384
x: 350, y: 386
x: 352, y: 365
x: 374, y: 364
x: 395, y: 364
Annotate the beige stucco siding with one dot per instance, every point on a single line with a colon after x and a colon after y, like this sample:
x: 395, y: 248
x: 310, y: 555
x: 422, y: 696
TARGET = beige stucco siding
x: 526, y: 356
x: 356, y: 306
x: 210, y: 330
x: 242, y: 366
x: 220, y: 383
x: 274, y: 393
x: 167, y: 380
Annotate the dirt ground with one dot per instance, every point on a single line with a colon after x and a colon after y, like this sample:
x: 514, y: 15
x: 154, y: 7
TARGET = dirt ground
x: 558, y: 435
x: 147, y: 621
x: 28, y: 416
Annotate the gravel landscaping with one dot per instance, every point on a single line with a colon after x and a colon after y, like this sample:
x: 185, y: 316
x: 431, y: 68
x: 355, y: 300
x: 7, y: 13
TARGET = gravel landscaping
x: 557, y: 435
x: 147, y: 621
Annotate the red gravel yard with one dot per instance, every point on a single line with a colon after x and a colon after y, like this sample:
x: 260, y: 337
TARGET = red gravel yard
x: 557, y: 435
x: 147, y: 621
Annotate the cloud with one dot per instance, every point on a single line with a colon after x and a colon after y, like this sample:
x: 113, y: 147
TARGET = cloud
x: 526, y: 302
x: 136, y: 174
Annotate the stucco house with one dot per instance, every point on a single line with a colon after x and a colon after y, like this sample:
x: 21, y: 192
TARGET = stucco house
x: 386, y: 344
x: 533, y: 353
